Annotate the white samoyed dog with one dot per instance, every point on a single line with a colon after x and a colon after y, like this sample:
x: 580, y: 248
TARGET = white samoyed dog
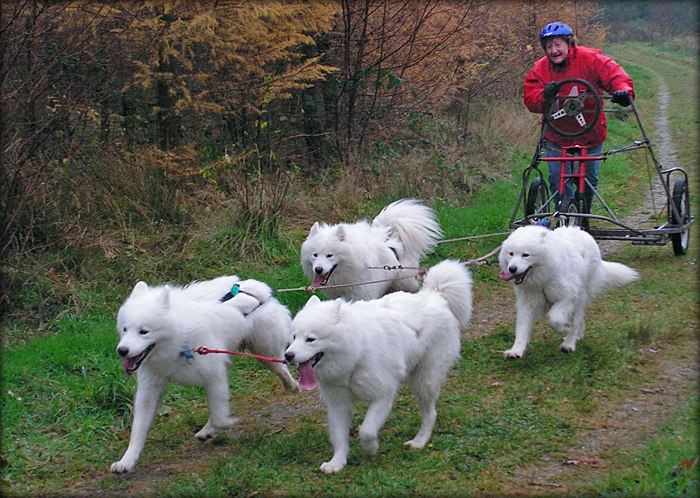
x: 559, y: 269
x: 356, y: 253
x: 160, y: 327
x: 365, y: 350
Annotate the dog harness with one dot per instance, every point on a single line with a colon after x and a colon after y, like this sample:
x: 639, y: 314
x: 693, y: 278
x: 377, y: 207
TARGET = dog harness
x: 234, y: 291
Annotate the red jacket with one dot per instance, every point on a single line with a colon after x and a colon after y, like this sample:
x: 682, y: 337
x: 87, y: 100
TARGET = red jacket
x: 589, y: 64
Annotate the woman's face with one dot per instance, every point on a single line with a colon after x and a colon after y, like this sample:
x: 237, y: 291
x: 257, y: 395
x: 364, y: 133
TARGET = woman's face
x: 556, y: 50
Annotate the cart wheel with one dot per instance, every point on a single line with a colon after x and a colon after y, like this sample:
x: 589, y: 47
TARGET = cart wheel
x: 682, y: 202
x: 537, y: 196
x: 574, y: 207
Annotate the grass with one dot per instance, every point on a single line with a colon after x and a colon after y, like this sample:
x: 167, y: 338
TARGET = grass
x: 624, y: 405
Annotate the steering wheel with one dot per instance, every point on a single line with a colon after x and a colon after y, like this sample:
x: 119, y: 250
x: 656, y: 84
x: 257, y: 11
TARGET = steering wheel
x: 574, y: 107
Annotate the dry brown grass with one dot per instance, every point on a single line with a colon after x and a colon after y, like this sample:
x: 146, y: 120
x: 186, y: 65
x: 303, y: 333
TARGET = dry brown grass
x: 441, y: 168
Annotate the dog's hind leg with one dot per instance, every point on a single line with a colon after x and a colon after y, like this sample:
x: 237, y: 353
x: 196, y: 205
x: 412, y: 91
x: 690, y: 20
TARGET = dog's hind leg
x: 281, y: 370
x: 218, y: 397
x: 428, y: 415
x: 575, y: 331
x: 426, y: 381
x: 270, y: 338
x: 149, y: 394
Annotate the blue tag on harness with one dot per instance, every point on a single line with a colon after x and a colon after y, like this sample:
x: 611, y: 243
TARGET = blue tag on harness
x: 544, y: 222
x: 187, y: 353
x: 231, y: 294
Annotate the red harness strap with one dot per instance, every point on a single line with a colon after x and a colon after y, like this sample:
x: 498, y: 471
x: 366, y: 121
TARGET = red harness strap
x: 203, y: 350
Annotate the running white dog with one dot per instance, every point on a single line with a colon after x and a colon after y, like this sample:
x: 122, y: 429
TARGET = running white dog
x: 559, y: 268
x: 348, y: 253
x: 159, y: 328
x: 366, y: 349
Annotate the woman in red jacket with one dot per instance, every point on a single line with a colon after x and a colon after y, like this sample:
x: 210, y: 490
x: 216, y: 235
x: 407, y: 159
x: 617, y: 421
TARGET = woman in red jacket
x: 565, y: 60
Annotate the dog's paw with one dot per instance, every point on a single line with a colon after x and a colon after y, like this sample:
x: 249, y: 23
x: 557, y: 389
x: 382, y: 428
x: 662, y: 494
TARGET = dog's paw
x: 203, y: 435
x: 121, y: 467
x: 332, y: 467
x: 209, y: 430
x: 416, y: 445
x: 370, y: 445
x: 567, y: 347
x: 513, y: 354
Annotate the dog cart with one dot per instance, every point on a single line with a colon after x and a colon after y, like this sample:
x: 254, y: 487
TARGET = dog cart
x: 535, y: 204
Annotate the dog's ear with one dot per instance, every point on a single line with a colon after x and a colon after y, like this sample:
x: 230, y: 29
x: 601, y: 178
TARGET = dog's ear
x: 314, y: 229
x: 312, y: 301
x: 336, y: 308
x: 340, y: 232
x: 165, y: 297
x: 139, y: 287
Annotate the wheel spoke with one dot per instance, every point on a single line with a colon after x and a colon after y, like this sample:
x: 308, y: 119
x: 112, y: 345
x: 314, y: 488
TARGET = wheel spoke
x: 559, y: 114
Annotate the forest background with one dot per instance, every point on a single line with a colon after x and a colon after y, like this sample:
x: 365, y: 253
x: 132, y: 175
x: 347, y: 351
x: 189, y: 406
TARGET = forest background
x: 137, y: 127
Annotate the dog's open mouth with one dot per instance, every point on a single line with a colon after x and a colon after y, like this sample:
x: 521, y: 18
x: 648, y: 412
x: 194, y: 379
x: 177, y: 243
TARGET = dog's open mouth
x: 132, y: 364
x: 516, y: 278
x: 307, y: 380
x: 321, y: 280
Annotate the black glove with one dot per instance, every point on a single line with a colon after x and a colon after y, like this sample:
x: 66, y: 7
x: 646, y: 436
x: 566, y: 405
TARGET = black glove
x: 621, y: 97
x: 551, y: 90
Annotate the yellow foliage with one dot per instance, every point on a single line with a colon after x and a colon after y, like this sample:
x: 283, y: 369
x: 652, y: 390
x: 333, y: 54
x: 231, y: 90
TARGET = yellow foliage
x: 248, y: 51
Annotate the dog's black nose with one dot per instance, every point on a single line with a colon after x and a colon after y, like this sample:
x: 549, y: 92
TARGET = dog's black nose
x: 123, y: 351
x: 318, y: 270
x: 289, y: 356
x: 513, y: 269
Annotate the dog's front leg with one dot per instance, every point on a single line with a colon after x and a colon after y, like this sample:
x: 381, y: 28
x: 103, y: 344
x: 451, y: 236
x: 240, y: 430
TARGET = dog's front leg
x: 148, y: 397
x: 340, y: 410
x: 529, y: 309
x: 377, y: 413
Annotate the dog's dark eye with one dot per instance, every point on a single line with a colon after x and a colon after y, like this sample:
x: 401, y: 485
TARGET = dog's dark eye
x: 310, y: 339
x: 315, y: 255
x: 510, y: 253
x: 329, y: 255
x: 143, y: 332
x: 526, y: 255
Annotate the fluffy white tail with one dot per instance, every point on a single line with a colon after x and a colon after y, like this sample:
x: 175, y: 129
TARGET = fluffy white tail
x: 454, y: 282
x: 617, y: 274
x: 414, y: 224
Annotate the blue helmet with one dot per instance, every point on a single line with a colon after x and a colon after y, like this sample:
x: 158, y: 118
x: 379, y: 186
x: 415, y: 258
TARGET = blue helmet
x: 556, y: 29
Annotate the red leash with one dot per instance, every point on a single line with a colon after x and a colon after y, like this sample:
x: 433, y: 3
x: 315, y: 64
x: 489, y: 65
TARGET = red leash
x: 202, y: 350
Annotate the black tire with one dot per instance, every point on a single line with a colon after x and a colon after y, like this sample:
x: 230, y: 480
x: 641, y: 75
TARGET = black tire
x: 681, y: 200
x: 537, y: 196
x: 574, y: 207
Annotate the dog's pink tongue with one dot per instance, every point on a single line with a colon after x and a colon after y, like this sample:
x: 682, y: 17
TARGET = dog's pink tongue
x: 506, y: 276
x: 318, y: 282
x: 126, y: 364
x: 307, y: 380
